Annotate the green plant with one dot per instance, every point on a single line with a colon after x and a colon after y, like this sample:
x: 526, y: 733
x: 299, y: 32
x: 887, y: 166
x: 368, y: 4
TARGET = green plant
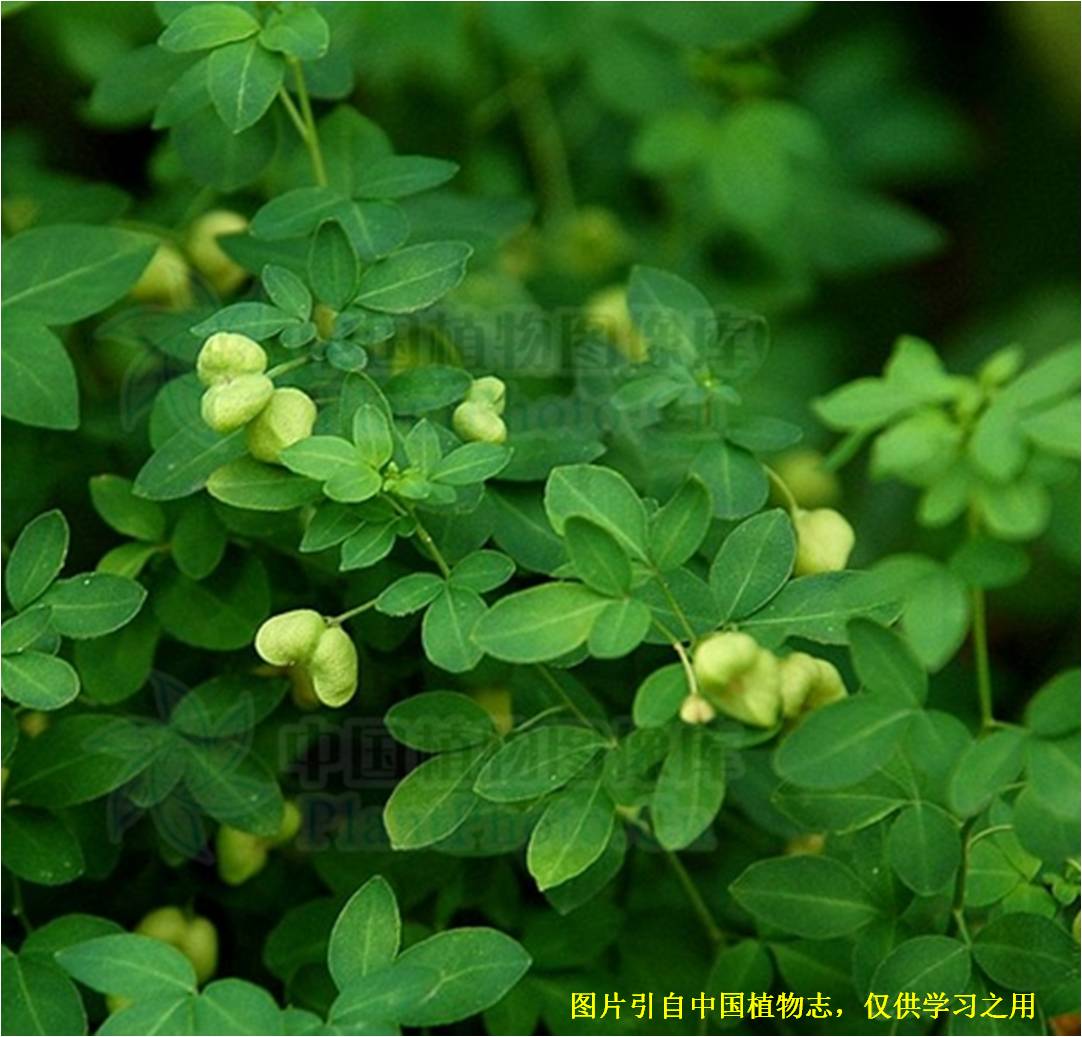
x: 354, y: 519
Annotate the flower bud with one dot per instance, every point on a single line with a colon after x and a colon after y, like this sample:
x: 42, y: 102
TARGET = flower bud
x: 333, y: 667
x: 1001, y: 367
x: 479, y: 423
x: 207, y: 255
x: 807, y: 480
x: 226, y: 355
x: 165, y: 279
x: 290, y: 637
x: 288, y: 417
x: 696, y: 710
x: 34, y: 723
x: 824, y: 541
x: 753, y: 696
x: 241, y: 855
x: 721, y: 657
x: 230, y: 405
x: 489, y: 391
x: 827, y: 687
x: 195, y: 937
x: 798, y: 674
x: 607, y: 312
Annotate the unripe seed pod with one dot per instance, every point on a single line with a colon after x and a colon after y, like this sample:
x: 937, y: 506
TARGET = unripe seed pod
x: 200, y: 944
x: 168, y: 924
x: 798, y: 673
x: 34, y: 723
x: 333, y: 667
x: 290, y: 637
x: 165, y: 279
x: 208, y: 257
x: 828, y: 686
x: 478, y: 423
x: 824, y: 541
x: 288, y: 417
x: 607, y: 311
x: 754, y: 696
x: 226, y: 355
x: 240, y: 855
x: 230, y: 405
x: 811, y: 484
x: 721, y: 657
x: 489, y: 391
x: 324, y: 317
x: 696, y: 710
x: 496, y: 702
x: 290, y: 826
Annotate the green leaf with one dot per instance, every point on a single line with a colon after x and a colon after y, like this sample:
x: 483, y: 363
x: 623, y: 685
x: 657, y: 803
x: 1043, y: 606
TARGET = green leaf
x: 129, y: 965
x: 39, y: 848
x: 38, y: 681
x: 296, y: 213
x: 372, y: 435
x: 1053, y: 710
x: 366, y: 935
x: 115, y: 501
x: 471, y: 463
x: 93, y: 604
x: 885, y: 664
x: 37, y: 558
x: 1018, y: 510
x: 842, y: 743
x: 39, y: 375
x: 924, y: 848
x: 445, y: 631
x: 419, y: 390
x: 414, y: 277
x: 24, y: 628
x: 226, y: 705
x: 333, y: 267
x: 234, y: 1006
x: 690, y: 788
x: 433, y: 800
x: 984, y: 768
x: 64, y: 272
x: 182, y: 465
x: 409, y: 593
x: 213, y: 154
x: 221, y: 613
x: 815, y: 897
x: 384, y: 994
x: 439, y: 721
x: 234, y: 787
x: 370, y: 544
x: 243, y: 80
x: 604, y: 497
x: 115, y: 667
x: 537, y: 762
x: 199, y: 539
x: 353, y: 485
x: 672, y: 315
x: 474, y: 968
x: 299, y: 31
x: 1025, y: 952
x: 924, y: 965
x: 597, y: 557
x: 247, y: 483
x: 164, y: 1013
x: 753, y: 564
x: 287, y: 291
x: 572, y: 833
x: 677, y: 530
x: 620, y: 628
x: 38, y: 998
x: 659, y: 696
x: 842, y: 810
x: 483, y: 571
x: 396, y: 176
x: 207, y: 25
x: 736, y: 480
x: 539, y: 623
x: 375, y: 229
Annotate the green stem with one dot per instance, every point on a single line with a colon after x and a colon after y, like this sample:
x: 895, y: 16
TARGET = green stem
x: 544, y: 142
x: 570, y: 704
x: 430, y: 545
x: 782, y: 488
x: 980, y: 651
x: 713, y: 930
x: 293, y: 113
x: 288, y: 365
x: 311, y: 134
x: 675, y: 606
x: 959, y: 902
x: 350, y: 613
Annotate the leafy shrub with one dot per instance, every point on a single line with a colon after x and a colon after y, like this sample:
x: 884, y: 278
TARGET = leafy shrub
x: 449, y: 574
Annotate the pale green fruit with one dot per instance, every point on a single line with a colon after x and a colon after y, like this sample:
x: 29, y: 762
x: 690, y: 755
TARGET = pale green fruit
x: 224, y: 273
x: 811, y: 484
x: 489, y: 391
x: 607, y: 311
x: 333, y: 667
x: 799, y: 673
x: 720, y: 657
x: 828, y: 686
x: 824, y: 541
x: 227, y: 355
x: 200, y: 944
x: 754, y: 696
x: 168, y: 924
x: 165, y: 279
x: 695, y: 709
x: 240, y: 855
x: 288, y: 417
x: 290, y: 637
x: 290, y: 826
x: 476, y: 422
x: 230, y: 405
